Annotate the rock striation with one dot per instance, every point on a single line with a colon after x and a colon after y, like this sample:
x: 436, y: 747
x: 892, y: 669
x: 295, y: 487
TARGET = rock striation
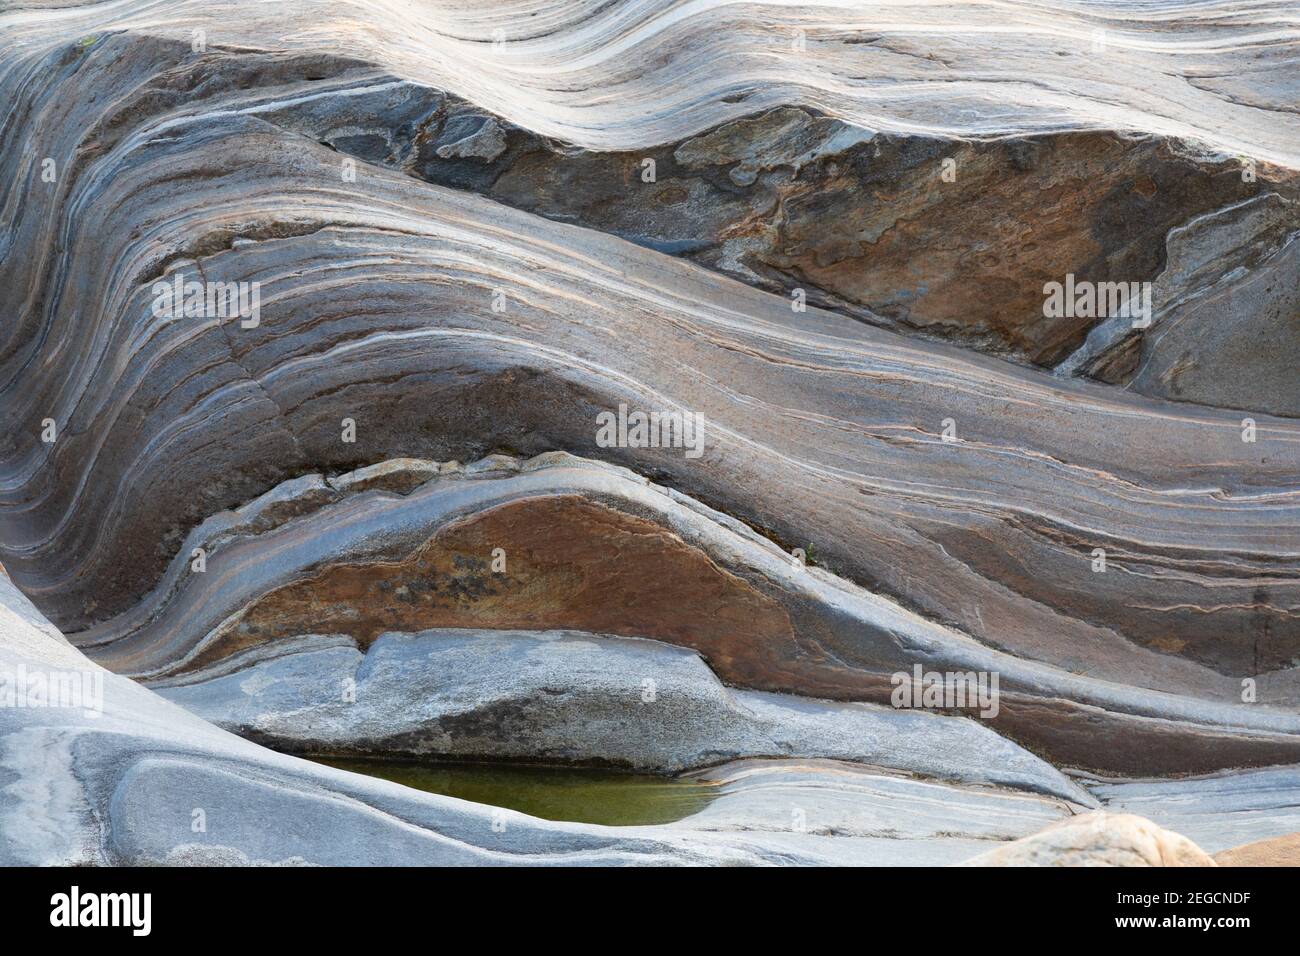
x: 347, y: 556
x: 437, y: 245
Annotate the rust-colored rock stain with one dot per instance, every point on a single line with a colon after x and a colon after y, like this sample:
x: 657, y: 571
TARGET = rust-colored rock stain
x: 569, y: 563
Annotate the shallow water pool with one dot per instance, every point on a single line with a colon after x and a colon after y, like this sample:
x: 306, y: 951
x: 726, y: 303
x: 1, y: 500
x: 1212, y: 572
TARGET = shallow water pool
x: 552, y: 793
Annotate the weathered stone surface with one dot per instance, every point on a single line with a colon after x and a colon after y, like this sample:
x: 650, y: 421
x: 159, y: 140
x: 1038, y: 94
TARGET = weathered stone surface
x: 1098, y: 839
x: 866, y: 225
x: 576, y: 564
x: 872, y: 225
x: 475, y: 228
x: 1226, y: 322
x: 378, y: 308
x: 1238, y: 347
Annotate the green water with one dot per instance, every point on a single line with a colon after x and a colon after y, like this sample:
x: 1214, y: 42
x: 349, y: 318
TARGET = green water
x: 579, y: 796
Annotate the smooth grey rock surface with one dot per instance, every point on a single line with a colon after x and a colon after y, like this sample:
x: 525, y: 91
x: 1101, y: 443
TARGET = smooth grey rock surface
x: 861, y: 802
x: 1219, y: 811
x: 573, y: 698
x: 860, y: 816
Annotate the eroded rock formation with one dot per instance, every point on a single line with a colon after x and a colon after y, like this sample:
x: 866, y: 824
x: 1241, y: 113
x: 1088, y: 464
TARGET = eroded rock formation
x: 457, y: 236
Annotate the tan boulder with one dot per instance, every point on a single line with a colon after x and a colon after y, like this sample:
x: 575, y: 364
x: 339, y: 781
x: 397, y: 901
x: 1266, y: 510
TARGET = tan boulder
x: 1098, y: 839
x: 1279, y: 851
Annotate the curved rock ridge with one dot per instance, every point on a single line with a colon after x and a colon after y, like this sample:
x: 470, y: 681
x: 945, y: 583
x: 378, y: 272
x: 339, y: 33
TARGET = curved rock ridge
x: 869, y: 818
x: 581, y: 545
x: 757, y: 795
x: 136, y: 780
x: 120, y: 784
x: 926, y: 234
x: 620, y: 76
x: 802, y: 204
x: 506, y: 331
x: 566, y: 697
